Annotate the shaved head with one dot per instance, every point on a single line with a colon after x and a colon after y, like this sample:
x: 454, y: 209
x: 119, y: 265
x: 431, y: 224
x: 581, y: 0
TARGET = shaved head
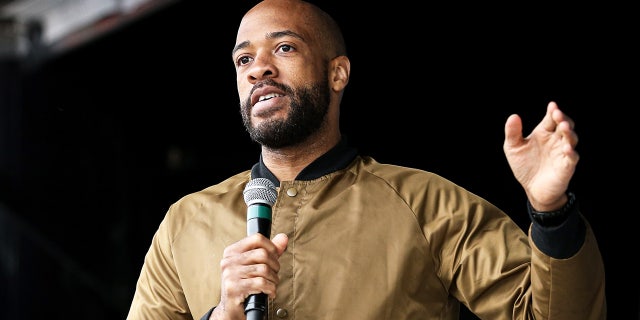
x: 324, y: 29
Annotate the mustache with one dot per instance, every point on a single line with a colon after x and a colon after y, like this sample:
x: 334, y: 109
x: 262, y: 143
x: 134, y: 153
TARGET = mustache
x: 272, y: 83
x: 246, y: 105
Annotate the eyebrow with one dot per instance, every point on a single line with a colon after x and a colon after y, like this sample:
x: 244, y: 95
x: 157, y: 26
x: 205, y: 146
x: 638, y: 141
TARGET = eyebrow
x: 270, y: 35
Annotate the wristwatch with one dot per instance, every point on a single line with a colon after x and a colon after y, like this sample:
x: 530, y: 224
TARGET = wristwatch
x: 556, y: 217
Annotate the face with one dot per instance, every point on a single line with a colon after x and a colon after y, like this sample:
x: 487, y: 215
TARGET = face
x: 281, y: 76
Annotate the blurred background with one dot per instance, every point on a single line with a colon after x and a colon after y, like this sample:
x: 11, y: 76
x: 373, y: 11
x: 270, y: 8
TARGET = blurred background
x: 112, y: 110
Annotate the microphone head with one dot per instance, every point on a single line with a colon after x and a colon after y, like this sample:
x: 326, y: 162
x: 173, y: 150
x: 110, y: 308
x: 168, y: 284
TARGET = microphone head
x: 260, y: 190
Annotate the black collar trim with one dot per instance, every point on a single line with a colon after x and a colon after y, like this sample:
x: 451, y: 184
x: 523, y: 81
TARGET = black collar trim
x: 339, y: 157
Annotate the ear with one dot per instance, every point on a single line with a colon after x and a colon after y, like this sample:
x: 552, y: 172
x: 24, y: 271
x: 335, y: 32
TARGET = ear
x: 340, y: 68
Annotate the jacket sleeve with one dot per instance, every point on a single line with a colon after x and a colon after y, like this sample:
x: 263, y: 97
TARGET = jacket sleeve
x: 158, y: 293
x: 571, y: 287
x: 500, y: 272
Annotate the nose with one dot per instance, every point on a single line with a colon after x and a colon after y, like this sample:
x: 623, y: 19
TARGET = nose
x: 262, y: 67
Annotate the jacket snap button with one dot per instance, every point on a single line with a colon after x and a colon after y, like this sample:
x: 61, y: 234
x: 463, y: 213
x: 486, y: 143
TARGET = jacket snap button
x: 281, y: 313
x: 291, y: 192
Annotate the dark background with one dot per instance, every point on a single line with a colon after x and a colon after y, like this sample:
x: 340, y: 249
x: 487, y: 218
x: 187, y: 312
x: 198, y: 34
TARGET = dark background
x: 96, y: 143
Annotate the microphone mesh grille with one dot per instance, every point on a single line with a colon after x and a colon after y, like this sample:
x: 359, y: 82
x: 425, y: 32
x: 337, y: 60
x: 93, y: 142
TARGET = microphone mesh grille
x: 260, y: 190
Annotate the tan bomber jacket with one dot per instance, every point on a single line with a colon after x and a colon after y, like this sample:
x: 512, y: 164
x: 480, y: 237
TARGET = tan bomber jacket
x: 371, y: 241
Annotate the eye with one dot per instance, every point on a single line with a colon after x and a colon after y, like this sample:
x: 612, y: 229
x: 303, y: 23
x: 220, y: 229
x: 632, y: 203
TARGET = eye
x: 243, y: 60
x: 286, y: 48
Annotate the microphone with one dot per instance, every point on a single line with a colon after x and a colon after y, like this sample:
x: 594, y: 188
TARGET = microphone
x: 259, y: 195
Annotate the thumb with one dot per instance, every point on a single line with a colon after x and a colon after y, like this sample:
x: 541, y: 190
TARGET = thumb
x: 512, y: 131
x: 280, y: 240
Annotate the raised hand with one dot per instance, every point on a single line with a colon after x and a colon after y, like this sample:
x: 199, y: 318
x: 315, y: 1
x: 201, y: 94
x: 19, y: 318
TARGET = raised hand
x: 545, y: 161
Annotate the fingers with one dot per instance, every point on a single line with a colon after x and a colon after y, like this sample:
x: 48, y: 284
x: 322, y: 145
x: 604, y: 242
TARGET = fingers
x: 555, y: 118
x: 560, y: 117
x: 254, y: 256
x: 255, y: 241
x: 563, y: 125
x: 251, y: 266
x: 554, y: 121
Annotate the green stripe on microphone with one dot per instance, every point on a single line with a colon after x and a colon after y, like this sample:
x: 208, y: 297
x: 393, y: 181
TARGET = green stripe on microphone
x: 259, y: 211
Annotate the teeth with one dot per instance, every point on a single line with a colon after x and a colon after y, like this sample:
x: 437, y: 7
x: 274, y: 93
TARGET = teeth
x: 269, y: 96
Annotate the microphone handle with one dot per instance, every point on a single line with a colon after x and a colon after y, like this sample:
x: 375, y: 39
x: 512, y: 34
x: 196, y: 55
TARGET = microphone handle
x: 259, y: 225
x: 255, y: 305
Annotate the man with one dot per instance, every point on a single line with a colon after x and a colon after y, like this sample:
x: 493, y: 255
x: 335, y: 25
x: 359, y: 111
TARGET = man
x: 354, y: 238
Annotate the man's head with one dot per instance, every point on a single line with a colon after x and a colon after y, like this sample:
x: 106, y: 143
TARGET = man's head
x: 291, y: 69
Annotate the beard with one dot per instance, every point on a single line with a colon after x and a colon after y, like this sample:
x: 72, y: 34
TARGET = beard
x: 308, y: 112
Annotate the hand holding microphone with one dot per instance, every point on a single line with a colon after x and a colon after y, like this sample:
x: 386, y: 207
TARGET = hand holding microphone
x: 260, y: 194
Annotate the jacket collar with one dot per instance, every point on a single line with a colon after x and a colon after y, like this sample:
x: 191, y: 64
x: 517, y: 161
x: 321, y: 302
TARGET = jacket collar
x: 339, y: 157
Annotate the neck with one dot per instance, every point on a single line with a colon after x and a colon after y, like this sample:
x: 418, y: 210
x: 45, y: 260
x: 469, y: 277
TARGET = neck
x: 286, y: 163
